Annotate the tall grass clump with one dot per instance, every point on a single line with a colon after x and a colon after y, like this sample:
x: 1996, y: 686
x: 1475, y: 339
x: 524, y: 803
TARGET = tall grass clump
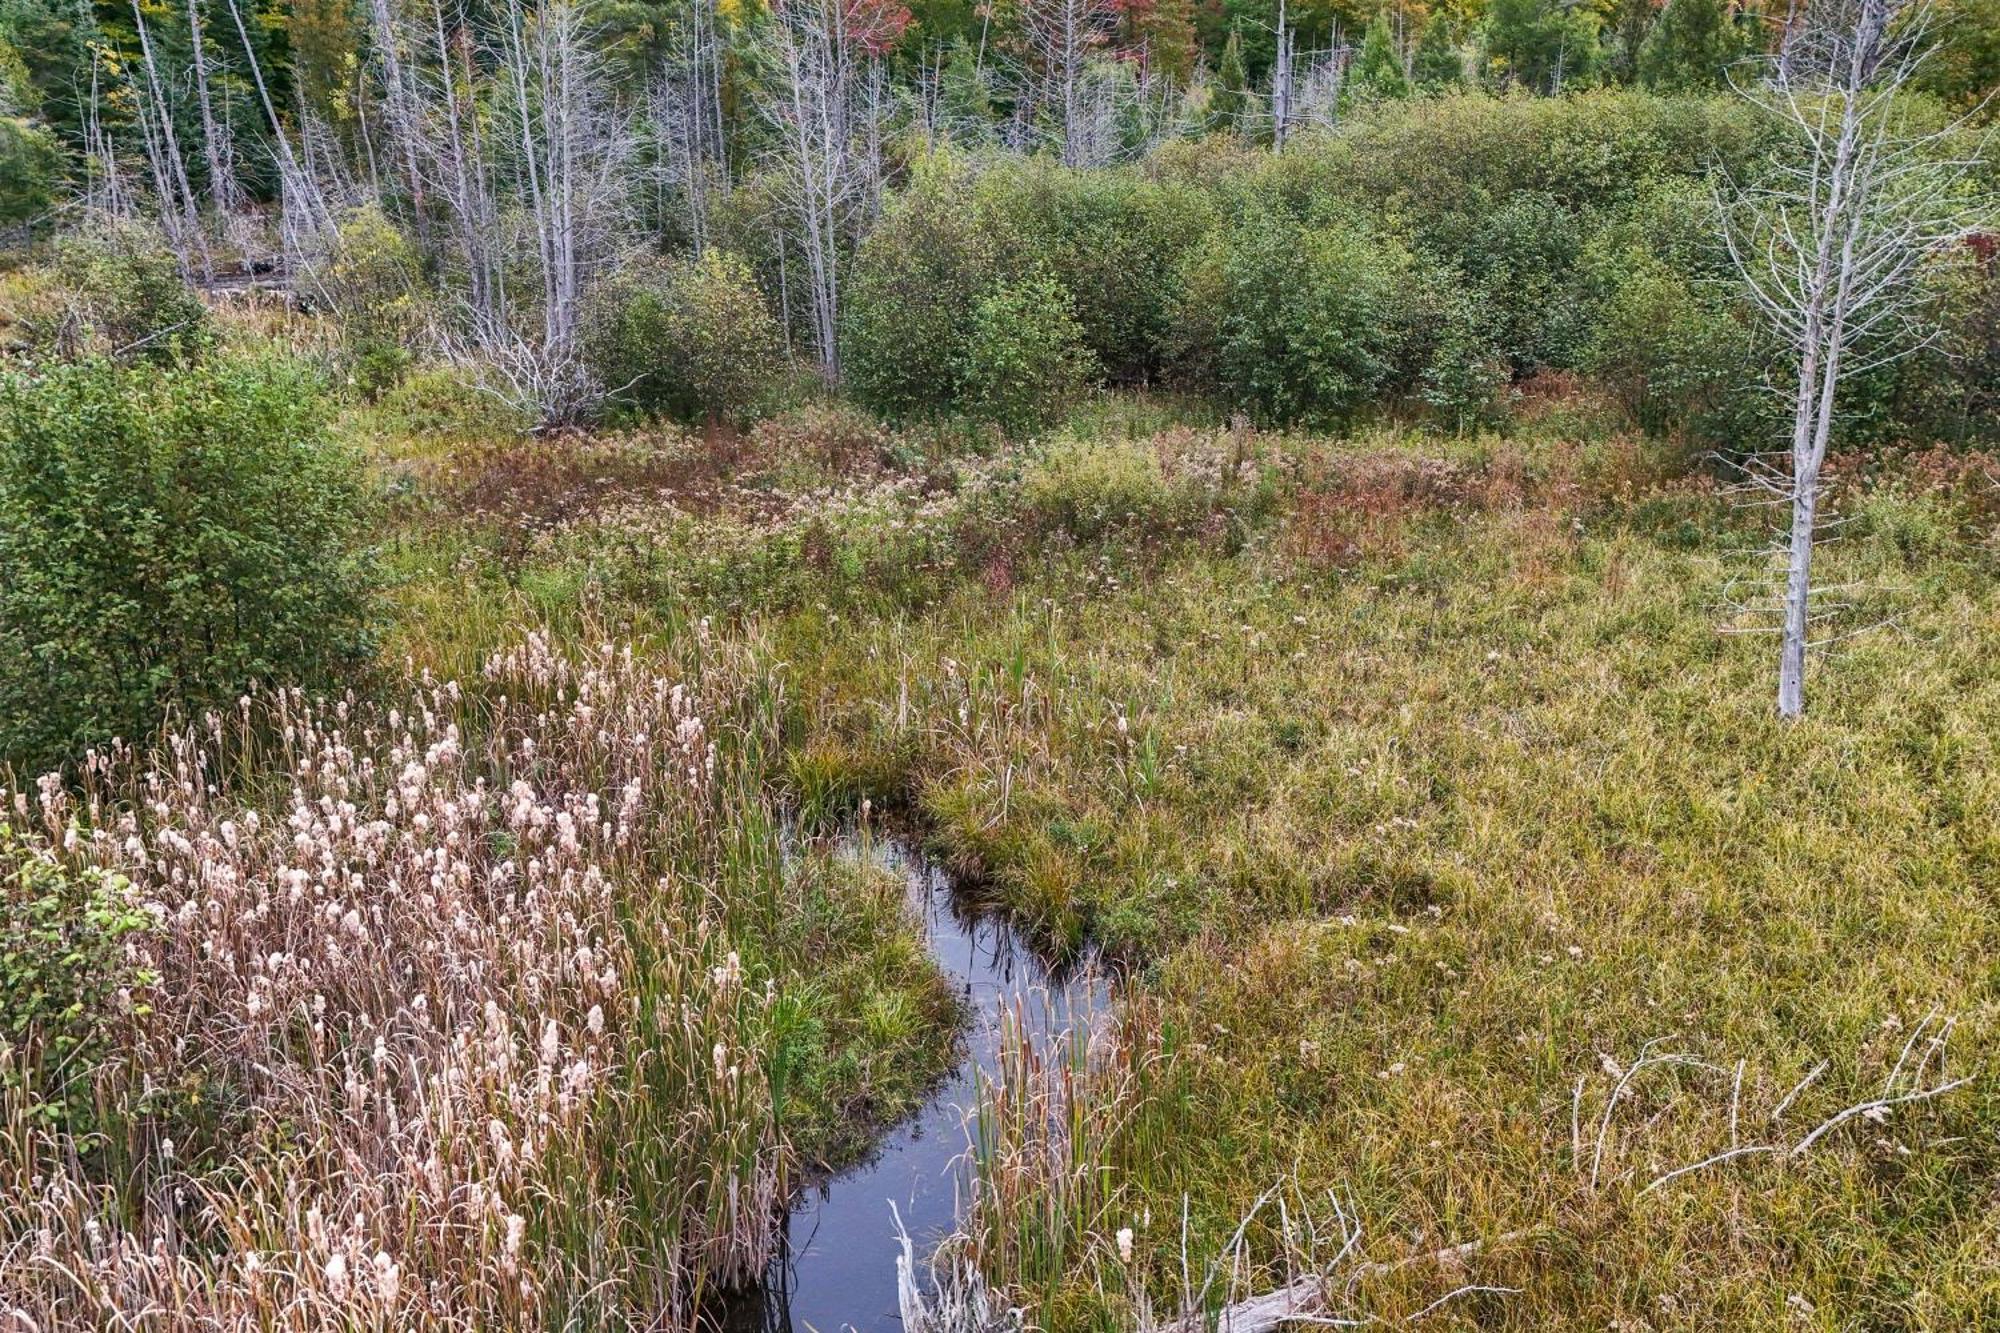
x: 1056, y: 1134
x: 460, y: 1016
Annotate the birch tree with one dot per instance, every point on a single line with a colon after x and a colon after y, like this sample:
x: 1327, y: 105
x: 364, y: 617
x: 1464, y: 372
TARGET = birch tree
x: 1831, y: 247
x: 179, y: 214
x: 1062, y: 36
x: 824, y: 109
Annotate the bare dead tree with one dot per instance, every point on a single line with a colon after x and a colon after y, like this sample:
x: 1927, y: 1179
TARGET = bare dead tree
x: 1062, y: 38
x: 691, y: 153
x: 1322, y: 78
x: 518, y: 164
x: 571, y: 148
x: 180, y: 216
x: 400, y: 113
x: 1917, y: 1075
x: 106, y: 192
x: 820, y: 113
x: 1281, y: 82
x: 304, y: 216
x: 1831, y: 247
x: 222, y: 192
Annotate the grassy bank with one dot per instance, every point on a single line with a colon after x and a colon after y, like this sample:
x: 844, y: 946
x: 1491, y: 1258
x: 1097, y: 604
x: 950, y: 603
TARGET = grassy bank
x: 1418, y: 784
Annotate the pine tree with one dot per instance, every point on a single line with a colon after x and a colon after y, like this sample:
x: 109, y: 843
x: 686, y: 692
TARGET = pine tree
x: 964, y: 96
x: 1232, y: 86
x: 1168, y: 31
x: 1378, y: 70
x: 1691, y: 44
x: 1438, y: 65
x: 1544, y: 45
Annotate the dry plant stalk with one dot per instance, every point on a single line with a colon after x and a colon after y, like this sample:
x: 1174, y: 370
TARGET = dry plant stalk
x: 447, y: 1011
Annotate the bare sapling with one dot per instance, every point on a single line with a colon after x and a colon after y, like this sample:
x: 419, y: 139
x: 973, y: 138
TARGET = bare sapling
x: 1832, y: 245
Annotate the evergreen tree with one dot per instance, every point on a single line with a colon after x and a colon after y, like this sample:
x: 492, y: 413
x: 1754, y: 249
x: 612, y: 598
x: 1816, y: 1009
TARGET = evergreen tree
x: 964, y: 95
x: 1378, y: 70
x: 1544, y: 45
x: 52, y: 40
x: 1232, y: 86
x: 30, y: 160
x: 1691, y: 43
x: 1438, y: 65
x: 1168, y: 32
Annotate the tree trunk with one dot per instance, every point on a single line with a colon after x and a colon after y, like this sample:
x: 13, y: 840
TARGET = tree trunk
x: 1798, y: 598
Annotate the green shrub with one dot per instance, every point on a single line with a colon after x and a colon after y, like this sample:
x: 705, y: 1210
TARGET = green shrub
x: 1522, y: 258
x: 1950, y: 390
x: 169, y: 538
x: 1024, y: 361
x: 66, y: 981
x: 1084, y: 490
x: 1113, y: 238
x: 115, y: 290
x: 445, y: 404
x: 1464, y: 378
x: 372, y: 278
x: 909, y: 303
x: 692, y: 339
x: 1306, y: 319
x: 1675, y: 356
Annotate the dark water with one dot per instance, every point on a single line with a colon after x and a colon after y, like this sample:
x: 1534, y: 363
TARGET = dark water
x: 838, y: 1267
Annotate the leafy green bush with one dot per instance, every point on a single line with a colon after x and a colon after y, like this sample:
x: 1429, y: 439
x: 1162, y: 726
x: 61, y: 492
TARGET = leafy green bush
x: 1948, y: 391
x: 114, y: 289
x: 443, y: 403
x: 691, y: 339
x: 169, y: 537
x: 1083, y: 490
x: 1114, y: 239
x: 1305, y: 321
x: 66, y: 981
x: 913, y: 288
x: 1675, y: 356
x: 372, y: 277
x: 1464, y: 378
x: 1522, y: 257
x: 1024, y: 360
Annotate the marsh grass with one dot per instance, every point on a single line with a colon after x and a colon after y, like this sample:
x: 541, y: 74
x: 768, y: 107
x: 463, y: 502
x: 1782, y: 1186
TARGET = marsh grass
x: 479, y: 1009
x: 1414, y: 781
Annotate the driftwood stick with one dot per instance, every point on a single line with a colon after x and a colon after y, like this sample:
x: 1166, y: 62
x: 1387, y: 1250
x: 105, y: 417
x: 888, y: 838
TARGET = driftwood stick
x: 1304, y: 1299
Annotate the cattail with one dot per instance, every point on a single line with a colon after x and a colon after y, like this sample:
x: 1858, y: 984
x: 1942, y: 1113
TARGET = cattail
x: 517, y: 1230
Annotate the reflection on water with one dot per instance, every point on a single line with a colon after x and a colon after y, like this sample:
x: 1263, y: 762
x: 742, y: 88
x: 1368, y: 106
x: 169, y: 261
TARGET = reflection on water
x: 837, y: 1266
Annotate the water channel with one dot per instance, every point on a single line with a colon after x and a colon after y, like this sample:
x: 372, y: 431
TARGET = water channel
x: 837, y: 1267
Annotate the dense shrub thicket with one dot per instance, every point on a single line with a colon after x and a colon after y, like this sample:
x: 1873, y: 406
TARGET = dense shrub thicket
x: 110, y: 289
x: 170, y: 537
x: 67, y: 980
x: 693, y: 339
x: 1423, y: 259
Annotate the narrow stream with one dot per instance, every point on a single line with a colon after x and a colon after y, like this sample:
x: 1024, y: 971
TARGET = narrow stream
x: 837, y: 1270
